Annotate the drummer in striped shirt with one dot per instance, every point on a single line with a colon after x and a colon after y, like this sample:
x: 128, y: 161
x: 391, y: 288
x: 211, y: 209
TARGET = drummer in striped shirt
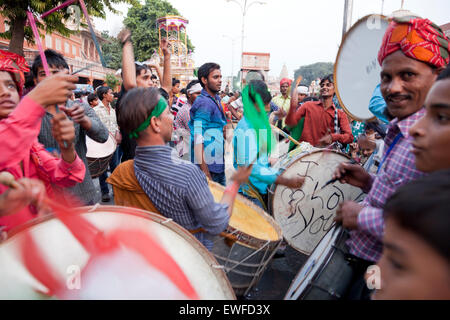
x: 177, y: 189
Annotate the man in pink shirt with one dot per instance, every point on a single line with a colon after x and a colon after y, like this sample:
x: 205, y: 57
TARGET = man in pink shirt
x: 20, y: 122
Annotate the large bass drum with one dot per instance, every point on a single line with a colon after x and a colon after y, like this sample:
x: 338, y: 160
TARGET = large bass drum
x: 327, y: 274
x: 357, y: 71
x: 306, y: 214
x: 62, y: 251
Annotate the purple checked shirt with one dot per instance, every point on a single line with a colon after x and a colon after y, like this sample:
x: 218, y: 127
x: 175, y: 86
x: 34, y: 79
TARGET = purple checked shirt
x: 398, y: 169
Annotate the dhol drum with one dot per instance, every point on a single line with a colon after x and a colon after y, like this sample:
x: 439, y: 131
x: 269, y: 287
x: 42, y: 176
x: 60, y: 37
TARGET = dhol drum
x: 357, y: 71
x: 63, y: 251
x: 254, y: 235
x: 307, y: 213
x: 98, y: 155
x: 327, y: 274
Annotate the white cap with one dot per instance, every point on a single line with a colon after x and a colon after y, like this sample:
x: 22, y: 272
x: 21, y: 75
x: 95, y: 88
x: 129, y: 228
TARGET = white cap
x: 302, y: 90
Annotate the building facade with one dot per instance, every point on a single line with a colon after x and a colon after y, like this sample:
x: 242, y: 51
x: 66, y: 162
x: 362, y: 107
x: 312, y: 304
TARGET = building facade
x: 78, y: 49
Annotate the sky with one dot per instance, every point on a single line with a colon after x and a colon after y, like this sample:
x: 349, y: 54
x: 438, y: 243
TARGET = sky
x: 294, y: 32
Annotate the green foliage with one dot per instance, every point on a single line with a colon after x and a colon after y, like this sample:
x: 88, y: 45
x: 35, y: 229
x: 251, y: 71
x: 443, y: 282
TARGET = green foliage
x: 141, y: 20
x: 313, y: 71
x: 111, y: 81
x: 15, y: 12
x: 112, y: 51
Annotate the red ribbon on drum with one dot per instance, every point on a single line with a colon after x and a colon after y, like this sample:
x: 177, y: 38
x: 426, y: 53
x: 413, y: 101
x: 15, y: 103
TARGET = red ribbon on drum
x: 127, y: 257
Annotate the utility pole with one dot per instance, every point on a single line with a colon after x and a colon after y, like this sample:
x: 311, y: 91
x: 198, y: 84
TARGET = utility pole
x: 348, y: 8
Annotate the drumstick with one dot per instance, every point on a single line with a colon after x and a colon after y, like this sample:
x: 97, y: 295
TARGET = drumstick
x: 285, y: 134
x: 85, y: 68
x: 352, y: 161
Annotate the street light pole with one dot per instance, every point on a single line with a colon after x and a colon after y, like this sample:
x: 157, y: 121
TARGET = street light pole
x: 233, y: 41
x: 244, y: 9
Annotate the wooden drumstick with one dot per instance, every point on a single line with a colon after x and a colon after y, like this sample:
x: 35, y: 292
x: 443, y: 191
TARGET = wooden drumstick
x: 285, y: 134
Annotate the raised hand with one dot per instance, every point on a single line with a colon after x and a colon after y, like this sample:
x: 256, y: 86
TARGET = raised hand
x: 165, y: 46
x: 63, y: 131
x: 55, y: 89
x: 124, y: 36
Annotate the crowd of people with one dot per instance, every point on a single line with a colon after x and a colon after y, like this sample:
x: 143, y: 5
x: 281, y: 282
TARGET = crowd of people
x: 170, y: 140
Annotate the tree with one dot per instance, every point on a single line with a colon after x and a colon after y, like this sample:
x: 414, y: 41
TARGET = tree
x: 313, y: 71
x: 112, y: 51
x: 111, y: 81
x: 15, y: 12
x: 141, y: 20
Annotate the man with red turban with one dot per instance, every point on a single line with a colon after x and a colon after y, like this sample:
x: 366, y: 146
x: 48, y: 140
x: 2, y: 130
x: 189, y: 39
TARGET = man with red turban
x: 282, y: 101
x: 412, y: 54
x: 21, y: 154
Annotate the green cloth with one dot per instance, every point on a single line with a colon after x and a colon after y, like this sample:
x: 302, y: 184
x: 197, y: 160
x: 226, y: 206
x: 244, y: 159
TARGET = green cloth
x: 157, y: 111
x: 258, y: 119
x: 296, y: 133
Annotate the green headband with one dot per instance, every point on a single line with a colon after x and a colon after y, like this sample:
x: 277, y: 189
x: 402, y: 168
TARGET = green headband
x: 160, y: 107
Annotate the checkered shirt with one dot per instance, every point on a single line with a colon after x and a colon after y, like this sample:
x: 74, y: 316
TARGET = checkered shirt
x: 398, y: 169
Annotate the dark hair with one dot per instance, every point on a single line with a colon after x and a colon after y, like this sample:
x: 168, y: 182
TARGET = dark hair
x: 421, y: 207
x: 91, y: 97
x: 261, y: 88
x: 78, y: 94
x: 372, y: 125
x: 445, y: 74
x: 175, y: 81
x: 191, y: 84
x: 101, y: 91
x: 254, y: 75
x: 205, y: 70
x: 311, y: 98
x: 154, y: 77
x: 328, y: 77
x: 135, y: 107
x: 140, y: 67
x: 54, y: 59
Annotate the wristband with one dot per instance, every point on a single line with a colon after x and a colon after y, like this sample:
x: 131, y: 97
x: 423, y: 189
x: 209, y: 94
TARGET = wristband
x: 232, y: 189
x: 127, y: 39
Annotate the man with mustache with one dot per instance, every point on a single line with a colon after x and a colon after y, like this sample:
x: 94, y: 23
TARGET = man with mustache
x: 412, y: 55
x: 416, y: 238
x: 324, y: 123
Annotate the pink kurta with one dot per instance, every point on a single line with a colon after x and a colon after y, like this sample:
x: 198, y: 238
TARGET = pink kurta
x: 19, y: 148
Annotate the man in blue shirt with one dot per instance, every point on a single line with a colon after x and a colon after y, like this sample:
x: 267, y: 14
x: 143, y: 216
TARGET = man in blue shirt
x: 246, y: 150
x: 207, y: 125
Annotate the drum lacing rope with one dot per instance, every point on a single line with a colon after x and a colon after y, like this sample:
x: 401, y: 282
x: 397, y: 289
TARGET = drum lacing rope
x: 94, y: 207
x: 248, y: 257
x: 166, y: 221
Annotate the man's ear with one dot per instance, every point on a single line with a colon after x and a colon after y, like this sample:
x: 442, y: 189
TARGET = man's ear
x: 35, y: 81
x: 155, y: 124
x: 204, y: 80
x: 437, y: 71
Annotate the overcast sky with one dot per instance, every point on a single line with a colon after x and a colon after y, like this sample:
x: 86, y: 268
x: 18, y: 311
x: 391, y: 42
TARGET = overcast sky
x: 294, y: 32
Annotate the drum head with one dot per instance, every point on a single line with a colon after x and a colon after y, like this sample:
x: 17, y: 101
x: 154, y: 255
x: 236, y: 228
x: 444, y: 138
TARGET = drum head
x: 61, y: 250
x: 357, y: 71
x: 306, y: 214
x: 249, y: 219
x: 97, y: 150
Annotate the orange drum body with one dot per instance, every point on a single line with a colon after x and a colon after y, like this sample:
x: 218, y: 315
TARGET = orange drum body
x: 252, y: 239
x: 62, y: 252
